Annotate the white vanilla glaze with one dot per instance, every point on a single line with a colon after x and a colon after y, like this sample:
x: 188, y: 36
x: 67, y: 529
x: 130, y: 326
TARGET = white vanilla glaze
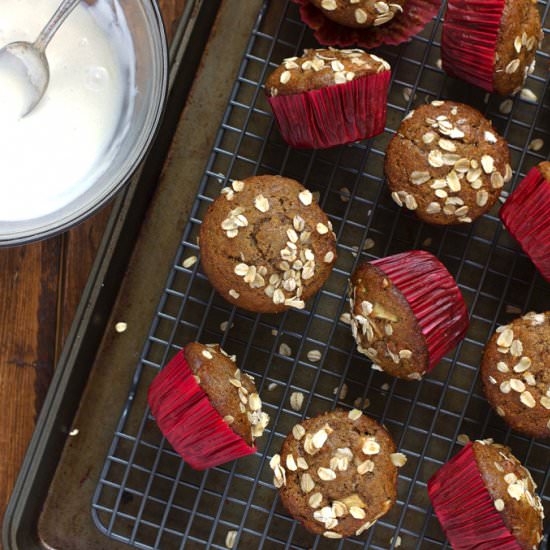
x: 50, y: 157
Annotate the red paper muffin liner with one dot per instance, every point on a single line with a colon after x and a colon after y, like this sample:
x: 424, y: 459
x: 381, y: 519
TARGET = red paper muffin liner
x: 465, y: 508
x: 188, y: 420
x: 526, y: 215
x: 434, y: 297
x: 469, y: 40
x: 415, y: 16
x: 333, y: 115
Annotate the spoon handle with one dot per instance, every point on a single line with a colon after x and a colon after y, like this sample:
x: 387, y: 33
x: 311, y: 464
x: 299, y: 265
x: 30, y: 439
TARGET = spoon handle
x: 62, y: 12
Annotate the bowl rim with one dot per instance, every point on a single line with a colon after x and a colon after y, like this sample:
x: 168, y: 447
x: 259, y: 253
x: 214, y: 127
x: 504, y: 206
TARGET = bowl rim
x: 72, y: 220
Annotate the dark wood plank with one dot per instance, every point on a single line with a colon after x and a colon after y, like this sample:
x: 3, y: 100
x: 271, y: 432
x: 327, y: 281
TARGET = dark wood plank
x: 29, y: 292
x: 40, y: 288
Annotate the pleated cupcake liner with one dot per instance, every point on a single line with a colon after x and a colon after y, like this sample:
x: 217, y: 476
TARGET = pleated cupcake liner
x: 469, y: 40
x: 188, y: 420
x: 433, y: 296
x: 464, y: 506
x: 333, y: 115
x: 416, y: 15
x: 526, y: 215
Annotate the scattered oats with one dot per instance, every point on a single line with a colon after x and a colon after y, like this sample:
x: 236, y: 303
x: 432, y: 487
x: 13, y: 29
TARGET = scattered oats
x: 369, y: 244
x: 398, y: 459
x: 332, y: 534
x: 315, y: 500
x: 345, y: 318
x: 207, y: 354
x: 488, y: 163
x: 74, y: 432
x: 499, y: 504
x: 545, y: 402
x: 298, y: 431
x: 284, y: 350
x: 228, y: 419
x: 285, y: 77
x: 354, y: 414
x: 505, y: 387
x: 345, y: 194
x: 407, y: 93
x: 512, y: 67
x: 188, y: 262
x: 234, y: 294
x: 505, y: 338
x: 314, y: 355
x: 419, y: 177
x: 365, y: 467
x: 439, y: 63
x: 329, y: 257
x: 296, y: 400
x: 397, y: 543
x: 506, y: 107
x: 482, y: 197
x: 527, y: 399
x: 370, y: 447
x: 238, y: 185
x: 502, y: 367
x: 342, y: 392
x: 463, y: 439
x: 328, y: 5
x: 357, y: 513
x: 361, y: 16
x: 306, y: 483
x: 230, y: 539
x: 536, y: 145
x: 326, y: 474
x: 271, y: 386
x: 490, y: 137
x: 515, y: 490
x: 121, y: 327
x: 528, y: 95
x: 306, y: 198
x: 261, y: 203
x: 322, y: 229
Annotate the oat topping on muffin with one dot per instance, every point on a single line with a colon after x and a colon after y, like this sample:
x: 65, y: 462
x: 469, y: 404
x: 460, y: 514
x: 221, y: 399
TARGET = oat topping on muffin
x: 232, y: 392
x: 360, y: 13
x: 337, y: 473
x: 516, y: 373
x: 316, y: 69
x: 512, y: 490
x: 447, y: 163
x: 266, y: 245
x: 519, y: 36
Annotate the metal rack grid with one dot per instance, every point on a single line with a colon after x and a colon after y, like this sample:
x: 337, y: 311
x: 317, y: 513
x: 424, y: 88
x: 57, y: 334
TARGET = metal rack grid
x: 147, y: 497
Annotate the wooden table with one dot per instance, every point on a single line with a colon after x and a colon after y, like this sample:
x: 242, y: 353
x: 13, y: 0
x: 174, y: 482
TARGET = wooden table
x: 40, y: 288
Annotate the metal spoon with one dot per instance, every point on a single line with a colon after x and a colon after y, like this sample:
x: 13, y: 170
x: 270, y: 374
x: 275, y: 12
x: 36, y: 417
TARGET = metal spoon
x: 28, y: 62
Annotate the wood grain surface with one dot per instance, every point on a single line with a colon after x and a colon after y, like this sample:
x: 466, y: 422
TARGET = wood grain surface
x: 40, y: 288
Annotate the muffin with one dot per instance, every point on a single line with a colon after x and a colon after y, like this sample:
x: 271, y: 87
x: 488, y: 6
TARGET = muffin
x: 359, y: 14
x: 207, y: 409
x: 485, y: 498
x: 491, y: 44
x: 366, y: 23
x: 266, y: 246
x: 447, y: 163
x: 516, y: 373
x: 406, y: 313
x: 329, y: 97
x: 337, y: 473
x: 526, y: 215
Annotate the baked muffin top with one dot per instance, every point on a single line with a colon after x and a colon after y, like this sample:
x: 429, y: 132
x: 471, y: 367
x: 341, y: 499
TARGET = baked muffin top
x: 516, y: 373
x: 232, y: 393
x: 266, y: 245
x: 360, y: 13
x: 512, y: 490
x: 317, y: 69
x: 447, y: 163
x: 519, y: 36
x: 337, y: 473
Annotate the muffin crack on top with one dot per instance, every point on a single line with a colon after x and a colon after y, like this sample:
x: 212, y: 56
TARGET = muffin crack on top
x: 447, y: 163
x: 266, y: 245
x: 337, y: 473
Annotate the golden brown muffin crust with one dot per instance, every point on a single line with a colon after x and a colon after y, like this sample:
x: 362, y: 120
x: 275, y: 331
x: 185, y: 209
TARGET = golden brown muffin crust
x: 266, y: 245
x: 513, y: 492
x: 447, y: 163
x: 320, y: 68
x: 544, y: 169
x: 360, y: 13
x: 337, y: 473
x: 516, y: 373
x: 519, y: 36
x: 232, y: 393
x: 384, y: 325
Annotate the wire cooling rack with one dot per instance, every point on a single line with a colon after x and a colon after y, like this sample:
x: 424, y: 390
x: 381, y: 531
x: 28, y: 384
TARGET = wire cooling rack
x: 149, y: 498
